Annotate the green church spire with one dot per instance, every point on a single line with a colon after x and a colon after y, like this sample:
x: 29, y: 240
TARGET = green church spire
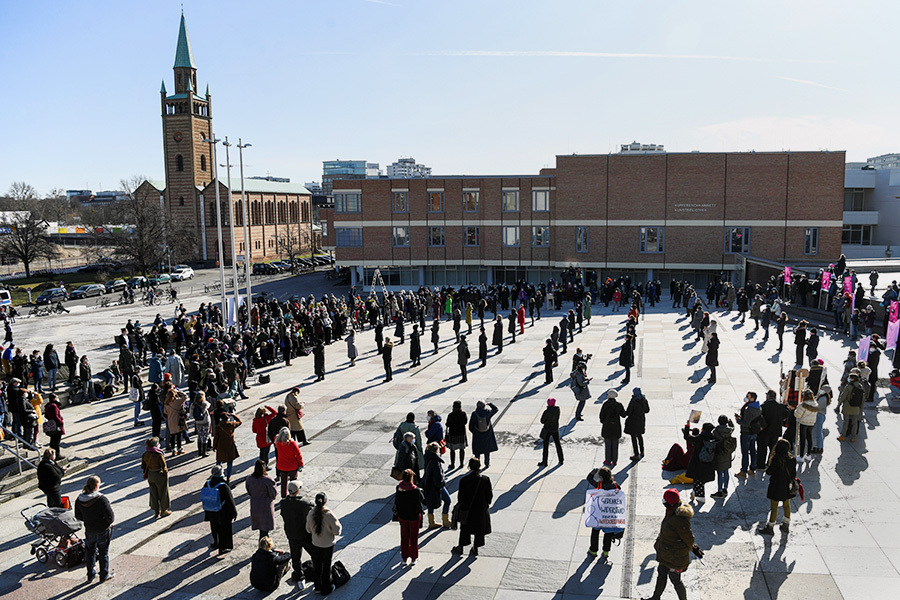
x: 183, y: 55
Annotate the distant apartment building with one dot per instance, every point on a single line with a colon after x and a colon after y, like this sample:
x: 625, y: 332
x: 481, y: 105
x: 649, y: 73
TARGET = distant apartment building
x: 91, y: 197
x: 314, y: 187
x: 648, y: 215
x: 638, y: 148
x: 346, y: 169
x: 872, y: 208
x: 406, y: 168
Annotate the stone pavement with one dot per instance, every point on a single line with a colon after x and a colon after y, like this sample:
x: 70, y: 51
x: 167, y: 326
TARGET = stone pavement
x: 844, y: 540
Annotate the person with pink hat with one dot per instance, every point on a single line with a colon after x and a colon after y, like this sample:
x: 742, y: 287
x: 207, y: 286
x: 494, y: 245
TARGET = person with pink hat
x: 674, y: 545
x: 550, y: 420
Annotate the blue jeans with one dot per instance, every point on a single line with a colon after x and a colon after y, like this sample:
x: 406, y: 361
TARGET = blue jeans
x: 228, y: 468
x: 51, y: 379
x: 96, y: 548
x: 722, y: 479
x: 894, y: 388
x: 818, y: 436
x: 445, y: 498
x: 748, y: 451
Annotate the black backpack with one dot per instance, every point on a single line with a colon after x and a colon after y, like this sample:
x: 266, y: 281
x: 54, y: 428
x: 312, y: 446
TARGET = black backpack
x: 707, y: 451
x: 857, y: 397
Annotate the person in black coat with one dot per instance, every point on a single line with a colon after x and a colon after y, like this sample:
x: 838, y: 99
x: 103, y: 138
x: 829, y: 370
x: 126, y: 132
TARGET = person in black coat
x: 774, y: 414
x: 626, y: 357
x: 636, y: 422
x: 699, y: 469
x: 782, y: 471
x: 319, y: 360
x: 611, y: 414
x: 511, y: 327
x: 550, y: 421
x: 455, y: 435
x: 268, y: 566
x: 94, y: 510
x: 386, y: 351
x: 294, y: 509
x: 482, y: 347
x: 415, y: 346
x: 812, y: 345
x: 550, y: 358
x: 712, y: 355
x: 800, y: 341
x: 473, y: 504
x: 435, y: 334
x: 220, y: 520
x: 379, y: 334
x: 462, y: 357
x: 49, y: 476
x: 498, y: 334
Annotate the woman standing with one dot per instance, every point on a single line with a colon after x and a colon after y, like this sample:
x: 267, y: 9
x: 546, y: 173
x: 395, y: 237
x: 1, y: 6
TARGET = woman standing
x: 611, y: 414
x: 702, y: 467
x: 435, y: 334
x: 352, y: 352
x: 288, y: 460
x: 456, y: 434
x: 51, y: 363
x: 153, y: 462
x: 87, y: 385
x: 259, y: 426
x: 53, y: 423
x: 636, y: 422
x: 497, y: 339
x: 482, y: 347
x: 219, y: 510
x: 473, y: 501
x: 805, y: 414
x: 137, y: 397
x: 49, y: 476
x: 483, y: 439
x: 434, y: 484
x: 202, y: 422
x: 779, y: 329
x: 261, y: 489
x: 626, y: 357
x: 603, y: 479
x: 408, y: 501
x: 223, y: 442
x: 823, y: 400
x: 173, y: 410
x: 712, y: 356
x: 324, y: 527
x: 155, y: 410
x: 782, y: 471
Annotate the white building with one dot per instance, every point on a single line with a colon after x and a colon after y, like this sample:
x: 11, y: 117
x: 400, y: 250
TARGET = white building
x: 406, y: 168
x: 872, y: 208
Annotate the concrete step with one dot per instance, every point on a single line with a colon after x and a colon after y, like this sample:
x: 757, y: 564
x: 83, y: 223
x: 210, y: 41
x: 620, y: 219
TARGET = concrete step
x: 13, y: 485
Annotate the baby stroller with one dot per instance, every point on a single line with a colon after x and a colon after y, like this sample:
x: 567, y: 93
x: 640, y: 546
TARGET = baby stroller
x: 56, y: 528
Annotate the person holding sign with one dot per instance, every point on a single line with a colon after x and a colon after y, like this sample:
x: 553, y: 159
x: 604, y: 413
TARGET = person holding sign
x: 604, y: 510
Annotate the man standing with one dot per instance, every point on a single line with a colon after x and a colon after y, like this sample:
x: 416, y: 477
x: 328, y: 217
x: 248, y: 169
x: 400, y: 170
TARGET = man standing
x: 550, y: 358
x: 126, y: 363
x: 749, y: 420
x: 386, y: 351
x: 71, y: 360
x: 94, y: 510
x: 812, y: 346
x: 474, y: 499
x: 462, y: 358
x: 774, y: 414
x: 550, y: 421
x: 579, y: 385
x: 800, y: 341
x: 294, y: 509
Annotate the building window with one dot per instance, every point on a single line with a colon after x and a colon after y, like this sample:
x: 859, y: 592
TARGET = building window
x: 473, y: 236
x: 540, y: 201
x: 854, y: 199
x: 511, y: 236
x: 435, y: 236
x: 181, y: 201
x: 737, y: 240
x: 471, y: 201
x: 581, y: 239
x: 400, y: 202
x: 653, y: 240
x: 436, y: 202
x: 401, y: 237
x: 858, y: 235
x: 510, y: 201
x: 540, y: 236
x: 348, y: 237
x: 202, y: 162
x: 811, y: 240
x: 179, y: 163
x: 346, y: 202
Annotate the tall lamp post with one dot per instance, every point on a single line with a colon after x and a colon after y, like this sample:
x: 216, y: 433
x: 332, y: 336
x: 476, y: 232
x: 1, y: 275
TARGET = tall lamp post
x: 234, y: 274
x: 212, y: 142
x: 247, y: 250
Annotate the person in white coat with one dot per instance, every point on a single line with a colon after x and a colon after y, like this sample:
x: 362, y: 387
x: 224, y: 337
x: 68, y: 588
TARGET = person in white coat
x: 175, y: 368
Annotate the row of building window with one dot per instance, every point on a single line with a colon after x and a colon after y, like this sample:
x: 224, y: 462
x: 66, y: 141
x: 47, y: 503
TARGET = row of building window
x: 652, y: 239
x: 179, y: 162
x: 261, y: 213
x: 350, y: 202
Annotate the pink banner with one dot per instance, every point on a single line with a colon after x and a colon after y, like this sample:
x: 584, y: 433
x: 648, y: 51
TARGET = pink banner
x: 848, y: 285
x: 892, y: 331
x: 787, y: 273
x: 895, y: 311
x: 826, y: 280
x: 863, y: 352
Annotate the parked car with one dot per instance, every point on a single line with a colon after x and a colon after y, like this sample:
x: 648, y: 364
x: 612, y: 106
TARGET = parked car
x: 52, y: 295
x: 86, y: 291
x: 5, y: 298
x: 135, y: 282
x: 115, y: 285
x: 182, y: 272
x: 159, y: 279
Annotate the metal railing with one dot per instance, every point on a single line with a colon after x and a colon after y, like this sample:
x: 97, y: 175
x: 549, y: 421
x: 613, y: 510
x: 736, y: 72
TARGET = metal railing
x: 19, y: 458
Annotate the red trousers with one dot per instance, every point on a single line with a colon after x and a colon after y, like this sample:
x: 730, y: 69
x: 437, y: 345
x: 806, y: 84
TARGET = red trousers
x: 409, y: 539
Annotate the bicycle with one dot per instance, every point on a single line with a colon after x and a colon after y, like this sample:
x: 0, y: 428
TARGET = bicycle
x: 103, y: 302
x: 39, y: 311
x: 149, y: 300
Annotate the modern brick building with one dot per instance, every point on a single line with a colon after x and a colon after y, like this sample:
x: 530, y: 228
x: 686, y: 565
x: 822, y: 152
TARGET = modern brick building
x: 655, y: 215
x: 278, y: 212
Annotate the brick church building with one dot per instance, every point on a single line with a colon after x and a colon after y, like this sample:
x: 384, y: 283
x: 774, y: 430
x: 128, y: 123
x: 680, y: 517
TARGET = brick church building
x: 279, y: 213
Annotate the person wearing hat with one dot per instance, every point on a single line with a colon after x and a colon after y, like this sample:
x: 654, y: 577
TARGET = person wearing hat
x: 579, y: 385
x: 816, y: 377
x: 636, y: 422
x: 611, y: 414
x: 812, y: 345
x: 800, y: 341
x: 851, y: 402
x: 674, y: 545
x: 294, y: 509
x: 550, y: 430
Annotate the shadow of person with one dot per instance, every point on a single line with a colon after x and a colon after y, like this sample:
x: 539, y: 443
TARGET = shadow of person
x: 700, y: 393
x: 508, y: 497
x: 585, y: 583
x: 850, y: 464
x: 771, y: 571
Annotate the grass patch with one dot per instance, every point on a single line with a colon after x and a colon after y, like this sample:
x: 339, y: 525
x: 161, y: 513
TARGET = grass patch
x: 19, y: 287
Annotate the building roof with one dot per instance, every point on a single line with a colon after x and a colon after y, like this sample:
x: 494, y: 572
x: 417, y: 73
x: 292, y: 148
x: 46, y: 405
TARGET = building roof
x: 262, y: 186
x: 177, y: 96
x: 162, y: 88
x: 183, y: 55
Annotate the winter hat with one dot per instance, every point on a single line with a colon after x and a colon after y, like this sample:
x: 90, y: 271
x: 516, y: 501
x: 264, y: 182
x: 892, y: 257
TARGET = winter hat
x: 551, y: 401
x: 295, y: 390
x: 167, y: 376
x: 672, y: 497
x: 820, y: 361
x: 294, y: 486
x: 826, y: 388
x: 637, y: 392
x: 612, y: 394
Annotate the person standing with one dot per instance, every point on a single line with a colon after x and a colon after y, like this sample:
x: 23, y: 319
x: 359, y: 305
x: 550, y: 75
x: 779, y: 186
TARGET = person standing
x: 319, y: 360
x: 156, y: 414
x: 725, y: 447
x: 674, y: 545
x: 54, y: 426
x: 408, y: 501
x: 294, y: 510
x: 87, y: 384
x: 223, y: 443
x: 288, y: 459
x: 636, y: 422
x: 415, y: 347
x: 800, y: 341
x: 386, y: 351
x: 261, y: 489
x: 409, y: 426
x: 482, y: 346
x: 602, y: 479
x: 497, y: 339
x: 71, y: 358
x: 550, y: 430
x: 202, y: 422
x: 805, y: 415
x: 219, y: 510
x: 324, y: 527
x: 579, y: 385
x: 780, y: 324
x: 766, y: 320
x: 153, y: 463
x: 823, y: 400
x: 550, y: 358
x: 851, y: 402
x: 434, y: 485
x: 462, y: 357
x: 259, y: 426
x: 483, y: 439
x: 94, y: 510
x: 701, y: 467
x: 611, y: 414
x: 294, y: 413
x: 626, y: 357
x: 435, y: 334
x: 49, y: 476
x: 712, y: 356
x: 352, y: 352
x: 782, y: 471
x: 456, y: 434
x: 473, y: 504
x: 812, y: 346
x: 563, y: 334
x: 750, y: 420
x: 51, y: 363
x: 379, y: 335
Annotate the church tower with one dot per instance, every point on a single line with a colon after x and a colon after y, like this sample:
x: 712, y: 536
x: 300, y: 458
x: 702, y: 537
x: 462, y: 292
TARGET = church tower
x: 187, y: 121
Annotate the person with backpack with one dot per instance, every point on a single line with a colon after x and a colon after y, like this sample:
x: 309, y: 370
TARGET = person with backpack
x: 702, y: 467
x: 578, y: 383
x: 611, y: 414
x: 636, y: 422
x: 483, y: 439
x: 782, y: 474
x: 725, y: 447
x: 219, y: 510
x: 456, y: 434
x: 751, y: 424
x: 602, y: 478
x: 851, y: 401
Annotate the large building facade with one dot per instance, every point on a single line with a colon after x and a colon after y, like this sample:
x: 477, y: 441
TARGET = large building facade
x: 655, y: 215
x: 872, y: 208
x: 279, y: 213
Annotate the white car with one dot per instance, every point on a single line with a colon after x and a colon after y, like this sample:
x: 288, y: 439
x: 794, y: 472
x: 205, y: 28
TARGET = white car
x: 182, y: 272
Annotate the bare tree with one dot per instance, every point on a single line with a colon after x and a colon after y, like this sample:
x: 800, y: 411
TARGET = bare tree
x: 22, y: 194
x: 24, y: 237
x: 289, y: 243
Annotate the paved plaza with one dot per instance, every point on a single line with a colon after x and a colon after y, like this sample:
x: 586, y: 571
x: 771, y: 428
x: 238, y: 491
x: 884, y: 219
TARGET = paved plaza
x: 844, y: 540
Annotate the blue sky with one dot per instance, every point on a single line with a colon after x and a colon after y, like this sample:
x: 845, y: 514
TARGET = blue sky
x: 475, y: 87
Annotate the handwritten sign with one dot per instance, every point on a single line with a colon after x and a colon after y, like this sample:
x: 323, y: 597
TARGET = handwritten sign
x: 605, y: 509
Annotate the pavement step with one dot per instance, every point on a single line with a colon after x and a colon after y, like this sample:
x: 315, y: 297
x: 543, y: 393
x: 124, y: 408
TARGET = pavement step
x: 13, y: 485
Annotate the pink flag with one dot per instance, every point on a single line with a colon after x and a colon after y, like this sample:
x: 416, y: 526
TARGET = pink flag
x: 895, y: 311
x: 863, y: 352
x: 848, y: 285
x: 893, y: 330
x: 826, y: 280
x: 787, y: 273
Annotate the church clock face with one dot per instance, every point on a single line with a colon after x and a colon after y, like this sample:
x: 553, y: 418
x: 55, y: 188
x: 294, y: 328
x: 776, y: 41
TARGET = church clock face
x: 177, y: 136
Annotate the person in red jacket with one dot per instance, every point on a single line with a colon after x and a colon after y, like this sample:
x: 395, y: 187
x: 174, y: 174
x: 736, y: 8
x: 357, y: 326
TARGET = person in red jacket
x: 521, y: 318
x: 289, y: 461
x: 264, y: 414
x: 53, y: 415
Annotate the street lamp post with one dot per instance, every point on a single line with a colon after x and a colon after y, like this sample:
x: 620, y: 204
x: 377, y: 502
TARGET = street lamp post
x: 234, y: 273
x: 247, y: 250
x: 212, y: 142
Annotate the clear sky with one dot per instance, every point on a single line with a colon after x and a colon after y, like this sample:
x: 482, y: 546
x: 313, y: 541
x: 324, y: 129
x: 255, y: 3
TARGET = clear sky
x: 464, y: 86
